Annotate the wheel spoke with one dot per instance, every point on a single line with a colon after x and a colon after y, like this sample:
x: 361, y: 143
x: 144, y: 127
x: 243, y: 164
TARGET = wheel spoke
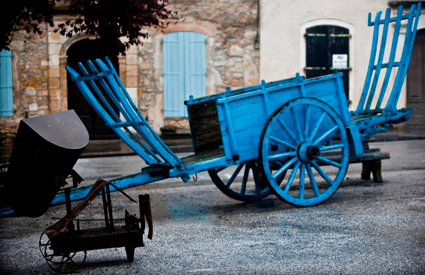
x: 307, y: 120
x: 70, y: 257
x: 284, y: 143
x: 331, y: 147
x: 284, y: 167
x: 297, y: 125
x: 302, y: 182
x: 292, y: 177
x: 60, y: 266
x: 235, y: 174
x: 326, y: 135
x: 72, y: 261
x: 245, y: 179
x: 328, y: 161
x: 316, y: 127
x: 256, y: 179
x: 283, y: 155
x: 313, y: 181
x: 287, y: 131
x: 243, y: 190
x: 321, y: 172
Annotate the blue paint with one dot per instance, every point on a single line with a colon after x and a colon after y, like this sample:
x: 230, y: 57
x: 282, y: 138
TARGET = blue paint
x: 184, y: 70
x: 302, y: 116
x: 239, y: 121
x: 299, y: 157
x: 134, y: 122
x: 6, y: 84
x: 376, y: 63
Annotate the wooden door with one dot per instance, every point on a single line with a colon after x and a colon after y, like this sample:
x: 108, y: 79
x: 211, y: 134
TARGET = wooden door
x: 325, y: 45
x: 416, y: 83
x: 80, y: 52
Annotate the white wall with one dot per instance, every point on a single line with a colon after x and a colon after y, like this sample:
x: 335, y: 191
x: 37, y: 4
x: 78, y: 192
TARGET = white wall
x: 283, y: 24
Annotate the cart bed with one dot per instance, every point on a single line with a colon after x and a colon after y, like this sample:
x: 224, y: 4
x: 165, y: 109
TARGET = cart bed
x: 203, y: 118
x: 234, y: 120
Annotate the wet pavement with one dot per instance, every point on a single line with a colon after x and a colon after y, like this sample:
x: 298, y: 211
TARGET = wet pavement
x: 366, y: 228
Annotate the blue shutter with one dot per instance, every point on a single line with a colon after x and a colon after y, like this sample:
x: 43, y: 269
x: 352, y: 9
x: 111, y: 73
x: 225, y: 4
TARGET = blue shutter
x: 173, y: 74
x: 6, y: 88
x: 184, y: 70
x: 195, y: 74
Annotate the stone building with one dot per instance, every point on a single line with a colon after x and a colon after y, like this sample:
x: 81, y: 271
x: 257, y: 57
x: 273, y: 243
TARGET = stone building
x: 228, y: 29
x: 219, y: 39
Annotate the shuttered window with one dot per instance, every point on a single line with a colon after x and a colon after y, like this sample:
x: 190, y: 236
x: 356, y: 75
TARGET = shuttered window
x: 184, y: 70
x: 6, y: 91
x: 327, y: 51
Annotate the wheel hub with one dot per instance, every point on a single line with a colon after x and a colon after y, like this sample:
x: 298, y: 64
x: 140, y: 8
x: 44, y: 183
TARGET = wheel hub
x: 313, y: 151
x: 307, y: 152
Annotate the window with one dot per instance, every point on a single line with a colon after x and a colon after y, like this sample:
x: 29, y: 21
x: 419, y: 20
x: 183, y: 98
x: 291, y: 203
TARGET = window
x: 6, y: 88
x: 184, y: 70
x: 328, y: 50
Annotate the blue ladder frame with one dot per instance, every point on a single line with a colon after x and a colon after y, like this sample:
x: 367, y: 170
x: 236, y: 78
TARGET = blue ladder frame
x: 376, y: 65
x: 130, y: 122
x: 369, y: 120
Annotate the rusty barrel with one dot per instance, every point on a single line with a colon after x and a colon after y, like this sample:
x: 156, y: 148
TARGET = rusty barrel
x: 46, y: 149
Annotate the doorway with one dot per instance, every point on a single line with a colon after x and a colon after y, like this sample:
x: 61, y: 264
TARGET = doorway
x: 327, y: 50
x: 416, y: 84
x: 81, y: 51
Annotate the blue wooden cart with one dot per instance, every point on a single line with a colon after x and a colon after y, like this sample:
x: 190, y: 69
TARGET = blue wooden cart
x: 294, y: 137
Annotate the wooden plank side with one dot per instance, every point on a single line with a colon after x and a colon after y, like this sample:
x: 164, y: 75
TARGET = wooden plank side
x: 204, y: 126
x: 331, y: 93
x: 281, y: 96
x: 206, y: 141
x: 202, y: 109
x: 247, y: 143
x: 245, y: 106
x: 254, y: 119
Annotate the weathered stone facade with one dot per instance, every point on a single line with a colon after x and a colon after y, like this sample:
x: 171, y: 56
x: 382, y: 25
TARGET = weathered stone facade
x: 232, y: 60
x: 230, y: 26
x: 30, y: 79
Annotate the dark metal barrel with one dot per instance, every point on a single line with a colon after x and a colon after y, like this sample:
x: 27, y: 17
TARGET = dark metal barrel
x: 46, y: 149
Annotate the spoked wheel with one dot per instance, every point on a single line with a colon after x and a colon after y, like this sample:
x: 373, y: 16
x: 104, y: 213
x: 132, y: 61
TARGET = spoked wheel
x: 42, y: 243
x: 253, y: 187
x: 60, y: 252
x: 309, y: 139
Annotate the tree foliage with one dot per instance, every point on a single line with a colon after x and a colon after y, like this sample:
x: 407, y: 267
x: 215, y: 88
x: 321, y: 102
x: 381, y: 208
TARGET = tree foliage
x: 119, y: 23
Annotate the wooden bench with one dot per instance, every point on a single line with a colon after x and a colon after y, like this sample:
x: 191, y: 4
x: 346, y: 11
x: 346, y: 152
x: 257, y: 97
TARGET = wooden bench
x: 371, y: 161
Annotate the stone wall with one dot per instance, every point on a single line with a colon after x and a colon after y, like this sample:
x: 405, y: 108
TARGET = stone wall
x: 40, y: 83
x: 232, y: 60
x: 30, y: 79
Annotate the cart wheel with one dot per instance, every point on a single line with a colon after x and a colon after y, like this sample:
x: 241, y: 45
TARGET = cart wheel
x: 61, y: 254
x: 307, y: 136
x: 251, y: 189
x: 129, y: 250
x: 42, y: 243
